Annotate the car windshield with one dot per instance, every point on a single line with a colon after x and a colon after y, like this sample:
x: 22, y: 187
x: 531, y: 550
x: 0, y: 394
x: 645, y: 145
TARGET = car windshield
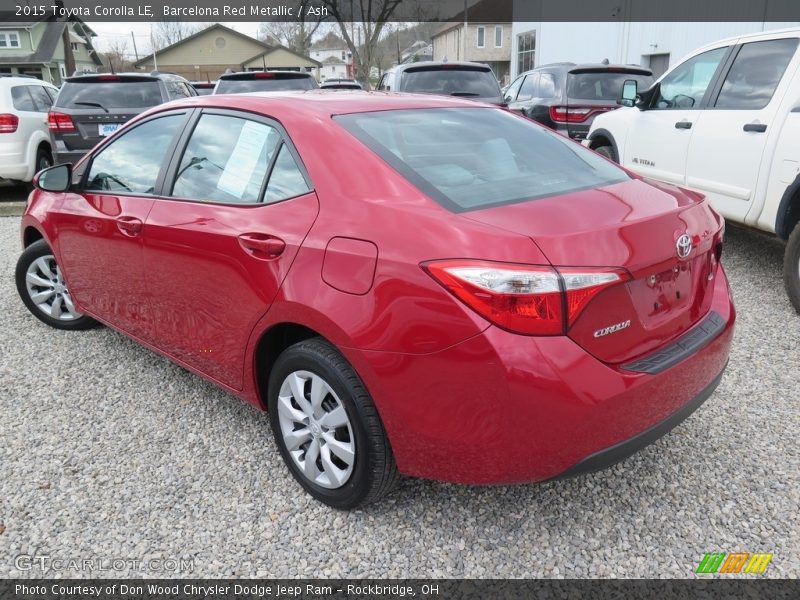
x: 241, y: 86
x: 602, y: 85
x: 472, y: 158
x: 450, y: 81
x: 109, y: 94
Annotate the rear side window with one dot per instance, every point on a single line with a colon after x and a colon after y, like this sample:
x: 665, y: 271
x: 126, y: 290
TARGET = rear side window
x: 241, y: 86
x: 42, y: 99
x: 131, y: 162
x: 176, y: 89
x: 22, y: 98
x: 109, y: 94
x: 603, y: 85
x: 286, y: 179
x: 473, y: 158
x: 755, y: 74
x: 226, y: 160
x: 455, y: 82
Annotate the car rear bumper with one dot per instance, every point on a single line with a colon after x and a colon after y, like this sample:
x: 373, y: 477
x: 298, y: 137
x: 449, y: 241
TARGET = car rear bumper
x: 503, y: 408
x: 14, y: 165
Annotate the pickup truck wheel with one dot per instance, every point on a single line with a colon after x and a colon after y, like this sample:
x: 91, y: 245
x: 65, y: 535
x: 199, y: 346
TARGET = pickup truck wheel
x: 607, y: 151
x: 791, y: 268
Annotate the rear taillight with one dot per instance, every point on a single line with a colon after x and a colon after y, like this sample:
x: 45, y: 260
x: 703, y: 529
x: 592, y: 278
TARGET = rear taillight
x: 57, y: 121
x: 575, y: 114
x: 527, y: 299
x: 8, y: 123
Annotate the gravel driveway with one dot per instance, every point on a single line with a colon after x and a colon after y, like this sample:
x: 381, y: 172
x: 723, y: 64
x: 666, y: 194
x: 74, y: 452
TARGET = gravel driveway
x: 109, y: 451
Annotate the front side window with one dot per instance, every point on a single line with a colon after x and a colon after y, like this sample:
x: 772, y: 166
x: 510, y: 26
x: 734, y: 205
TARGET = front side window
x: 474, y: 158
x: 756, y: 72
x: 528, y: 89
x: 511, y: 92
x: 131, y: 163
x: 481, y: 37
x: 226, y: 160
x: 686, y: 85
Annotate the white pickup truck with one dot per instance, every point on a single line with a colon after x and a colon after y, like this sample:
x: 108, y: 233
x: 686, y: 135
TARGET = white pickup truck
x: 725, y: 122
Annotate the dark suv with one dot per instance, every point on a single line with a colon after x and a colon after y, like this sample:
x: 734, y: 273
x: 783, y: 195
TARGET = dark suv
x: 474, y: 81
x: 567, y: 97
x: 264, y: 81
x: 91, y: 107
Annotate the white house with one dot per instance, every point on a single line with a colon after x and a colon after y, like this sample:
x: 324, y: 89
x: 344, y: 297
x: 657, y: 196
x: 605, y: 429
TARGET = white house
x: 336, y: 58
x: 655, y: 45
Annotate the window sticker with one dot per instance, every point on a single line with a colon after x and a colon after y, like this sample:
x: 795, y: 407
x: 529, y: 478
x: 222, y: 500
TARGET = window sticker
x: 242, y: 161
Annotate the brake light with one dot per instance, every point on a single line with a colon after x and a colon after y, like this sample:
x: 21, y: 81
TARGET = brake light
x: 57, y: 121
x: 108, y: 78
x: 265, y: 75
x: 8, y: 123
x: 526, y: 299
x: 569, y: 114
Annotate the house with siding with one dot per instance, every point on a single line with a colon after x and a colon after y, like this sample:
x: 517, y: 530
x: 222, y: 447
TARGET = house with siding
x: 207, y: 54
x: 37, y: 48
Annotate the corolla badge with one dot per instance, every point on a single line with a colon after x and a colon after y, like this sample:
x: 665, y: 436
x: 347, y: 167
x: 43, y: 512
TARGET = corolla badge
x: 684, y: 246
x: 612, y: 328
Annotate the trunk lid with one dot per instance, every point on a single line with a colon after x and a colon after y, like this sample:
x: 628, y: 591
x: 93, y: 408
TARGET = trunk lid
x: 635, y: 226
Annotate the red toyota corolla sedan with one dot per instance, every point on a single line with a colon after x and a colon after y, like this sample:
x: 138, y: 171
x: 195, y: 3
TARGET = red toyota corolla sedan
x: 409, y: 284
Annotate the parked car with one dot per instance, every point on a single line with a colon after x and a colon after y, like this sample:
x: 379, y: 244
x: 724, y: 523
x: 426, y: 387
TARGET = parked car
x: 725, y: 121
x: 465, y: 79
x: 204, y: 88
x: 567, y: 97
x: 553, y: 314
x: 264, y: 81
x: 340, y: 84
x: 24, y: 140
x: 89, y: 108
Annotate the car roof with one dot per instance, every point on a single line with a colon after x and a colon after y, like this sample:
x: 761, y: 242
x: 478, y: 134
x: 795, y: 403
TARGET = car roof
x: 93, y: 77
x: 438, y: 63
x: 321, y: 103
x: 254, y: 74
x: 16, y: 80
x: 594, y: 67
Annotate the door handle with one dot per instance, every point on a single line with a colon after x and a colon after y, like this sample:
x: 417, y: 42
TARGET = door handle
x: 683, y: 125
x: 756, y: 127
x: 130, y: 226
x: 262, y: 245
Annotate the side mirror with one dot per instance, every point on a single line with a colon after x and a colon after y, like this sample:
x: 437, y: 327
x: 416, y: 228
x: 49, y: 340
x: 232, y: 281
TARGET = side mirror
x: 629, y: 93
x: 54, y: 179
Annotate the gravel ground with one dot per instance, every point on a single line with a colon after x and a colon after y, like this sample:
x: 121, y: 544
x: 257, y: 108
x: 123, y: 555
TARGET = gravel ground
x: 109, y: 451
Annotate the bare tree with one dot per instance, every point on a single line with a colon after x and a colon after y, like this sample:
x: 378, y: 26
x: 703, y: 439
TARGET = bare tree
x: 116, y: 57
x: 166, y: 33
x: 366, y: 20
x: 295, y: 35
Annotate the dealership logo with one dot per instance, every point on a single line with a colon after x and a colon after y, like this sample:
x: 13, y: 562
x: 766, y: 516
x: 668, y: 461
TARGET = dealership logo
x: 735, y: 562
x: 684, y: 246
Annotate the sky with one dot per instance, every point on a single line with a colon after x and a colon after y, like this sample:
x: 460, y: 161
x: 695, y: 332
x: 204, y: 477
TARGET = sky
x: 107, y: 32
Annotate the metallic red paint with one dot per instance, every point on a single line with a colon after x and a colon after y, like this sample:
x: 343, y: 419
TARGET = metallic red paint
x: 461, y: 400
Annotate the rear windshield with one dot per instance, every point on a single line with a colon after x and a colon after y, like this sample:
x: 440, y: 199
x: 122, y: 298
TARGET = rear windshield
x: 241, y: 86
x: 452, y: 82
x: 603, y: 85
x: 109, y: 94
x: 472, y: 158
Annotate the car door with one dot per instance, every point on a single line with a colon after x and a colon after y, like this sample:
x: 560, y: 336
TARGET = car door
x: 658, y: 139
x: 727, y: 147
x: 222, y: 236
x: 100, y: 223
x: 527, y: 91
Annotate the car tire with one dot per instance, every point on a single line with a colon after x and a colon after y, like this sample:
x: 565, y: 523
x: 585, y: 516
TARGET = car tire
x: 607, y: 151
x: 44, y: 159
x: 791, y: 268
x: 335, y: 411
x: 44, y: 291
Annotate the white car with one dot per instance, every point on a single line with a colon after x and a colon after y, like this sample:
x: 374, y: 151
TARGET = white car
x: 24, y: 137
x: 724, y: 122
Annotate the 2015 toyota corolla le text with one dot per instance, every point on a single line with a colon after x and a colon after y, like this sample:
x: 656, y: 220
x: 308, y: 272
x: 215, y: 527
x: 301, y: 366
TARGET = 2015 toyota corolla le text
x: 408, y: 284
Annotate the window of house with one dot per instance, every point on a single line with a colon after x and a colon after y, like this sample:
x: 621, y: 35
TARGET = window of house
x: 526, y: 51
x: 498, y: 36
x: 481, y: 37
x: 9, y: 39
x: 74, y: 46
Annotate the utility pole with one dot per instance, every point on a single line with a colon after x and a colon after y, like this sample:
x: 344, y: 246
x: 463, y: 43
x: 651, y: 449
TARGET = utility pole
x: 135, y: 51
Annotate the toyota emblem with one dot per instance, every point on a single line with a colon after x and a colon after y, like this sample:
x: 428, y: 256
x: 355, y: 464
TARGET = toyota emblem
x: 684, y: 246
